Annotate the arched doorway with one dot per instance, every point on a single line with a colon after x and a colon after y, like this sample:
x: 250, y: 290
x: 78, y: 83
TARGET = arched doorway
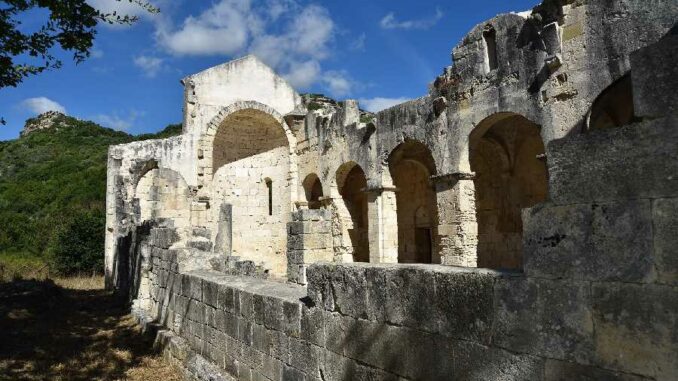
x: 313, y: 190
x: 613, y: 107
x: 251, y: 166
x: 351, y: 183
x: 411, y: 166
x: 510, y: 175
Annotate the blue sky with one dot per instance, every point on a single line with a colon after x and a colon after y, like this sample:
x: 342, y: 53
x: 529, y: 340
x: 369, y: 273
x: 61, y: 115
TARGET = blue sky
x: 380, y: 52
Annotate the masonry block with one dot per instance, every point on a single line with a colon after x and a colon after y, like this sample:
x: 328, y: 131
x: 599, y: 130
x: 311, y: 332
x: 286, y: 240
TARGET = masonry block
x: 609, y: 241
x: 635, y: 328
x: 545, y: 318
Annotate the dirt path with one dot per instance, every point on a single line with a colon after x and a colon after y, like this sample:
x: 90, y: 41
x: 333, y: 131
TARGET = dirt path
x: 52, y: 333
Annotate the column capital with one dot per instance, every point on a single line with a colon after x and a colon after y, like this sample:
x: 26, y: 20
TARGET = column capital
x: 454, y: 176
x: 379, y: 189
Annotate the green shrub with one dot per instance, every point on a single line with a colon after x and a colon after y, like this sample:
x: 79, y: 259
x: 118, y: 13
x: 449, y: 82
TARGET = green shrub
x: 78, y: 245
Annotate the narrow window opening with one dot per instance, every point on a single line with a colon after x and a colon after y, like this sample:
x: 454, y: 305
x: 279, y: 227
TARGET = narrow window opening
x: 490, y: 38
x: 269, y: 185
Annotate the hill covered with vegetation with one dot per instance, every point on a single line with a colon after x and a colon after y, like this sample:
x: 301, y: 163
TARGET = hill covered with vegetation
x: 53, y: 191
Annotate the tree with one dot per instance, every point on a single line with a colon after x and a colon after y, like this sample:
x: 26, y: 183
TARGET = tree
x: 71, y: 25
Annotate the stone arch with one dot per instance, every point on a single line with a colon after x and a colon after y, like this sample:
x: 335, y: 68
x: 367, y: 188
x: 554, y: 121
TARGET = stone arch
x: 313, y: 190
x: 613, y: 107
x: 411, y: 166
x: 249, y: 163
x: 505, y: 153
x: 160, y: 193
x: 350, y: 186
x: 206, y: 145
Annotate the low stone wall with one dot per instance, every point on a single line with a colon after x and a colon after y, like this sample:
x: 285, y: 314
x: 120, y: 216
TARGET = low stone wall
x: 409, y: 322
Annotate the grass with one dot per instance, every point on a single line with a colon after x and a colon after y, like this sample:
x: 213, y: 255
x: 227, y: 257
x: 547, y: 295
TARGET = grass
x: 70, y: 329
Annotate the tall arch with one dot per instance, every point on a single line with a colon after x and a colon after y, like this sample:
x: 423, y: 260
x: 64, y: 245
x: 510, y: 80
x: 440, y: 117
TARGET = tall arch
x: 248, y: 153
x: 411, y: 166
x: 509, y: 176
x: 352, y: 211
x: 313, y: 190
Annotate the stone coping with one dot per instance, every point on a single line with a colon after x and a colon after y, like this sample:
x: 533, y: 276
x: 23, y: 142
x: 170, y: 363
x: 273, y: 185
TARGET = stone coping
x: 269, y: 288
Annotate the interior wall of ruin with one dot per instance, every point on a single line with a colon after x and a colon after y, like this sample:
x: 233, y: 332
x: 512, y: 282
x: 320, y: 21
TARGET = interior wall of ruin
x: 251, y: 154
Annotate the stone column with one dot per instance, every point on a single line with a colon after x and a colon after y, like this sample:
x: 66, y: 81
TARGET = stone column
x: 309, y: 240
x: 457, y: 237
x: 382, y: 225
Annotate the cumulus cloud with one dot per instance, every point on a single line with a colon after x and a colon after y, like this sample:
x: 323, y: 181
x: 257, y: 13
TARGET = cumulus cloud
x: 337, y: 83
x: 291, y: 38
x: 391, y: 22
x: 41, y: 105
x: 117, y: 122
x: 151, y: 66
x: 378, y: 103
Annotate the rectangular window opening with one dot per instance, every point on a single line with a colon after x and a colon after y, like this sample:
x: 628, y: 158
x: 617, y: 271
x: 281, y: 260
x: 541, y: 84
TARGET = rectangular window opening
x: 490, y: 38
x: 269, y: 185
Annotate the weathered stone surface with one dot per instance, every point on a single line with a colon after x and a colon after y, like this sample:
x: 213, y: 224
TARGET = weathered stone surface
x: 665, y: 225
x: 566, y: 371
x: 635, y: 328
x: 630, y: 162
x: 608, y: 241
x: 655, y: 86
x: 544, y: 318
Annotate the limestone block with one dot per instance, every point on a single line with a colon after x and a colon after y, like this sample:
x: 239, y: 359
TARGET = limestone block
x: 472, y: 361
x: 305, y: 357
x: 630, y: 162
x: 383, y: 346
x: 566, y: 371
x: 337, y: 367
x: 665, y: 224
x: 191, y: 287
x: 544, y: 317
x: 227, y: 299
x: 312, y: 326
x: 655, y: 78
x: 610, y: 241
x: 463, y: 304
x: 636, y: 328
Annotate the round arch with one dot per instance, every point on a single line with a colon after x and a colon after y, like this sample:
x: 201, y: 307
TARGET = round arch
x: 505, y: 152
x: 206, y: 144
x: 411, y: 166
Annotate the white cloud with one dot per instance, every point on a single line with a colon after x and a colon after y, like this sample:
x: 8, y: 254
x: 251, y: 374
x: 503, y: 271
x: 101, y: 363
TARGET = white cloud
x: 150, y: 65
x: 121, y: 8
x: 117, y: 122
x: 291, y: 38
x: 338, y: 83
x: 358, y: 44
x: 96, y: 53
x: 303, y: 75
x: 378, y: 103
x: 390, y: 22
x: 41, y: 105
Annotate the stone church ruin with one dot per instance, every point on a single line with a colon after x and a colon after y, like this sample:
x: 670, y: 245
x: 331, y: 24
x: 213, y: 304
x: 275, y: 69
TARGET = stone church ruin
x: 518, y: 222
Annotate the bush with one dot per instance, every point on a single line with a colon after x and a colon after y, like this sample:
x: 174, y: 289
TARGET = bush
x: 78, y: 246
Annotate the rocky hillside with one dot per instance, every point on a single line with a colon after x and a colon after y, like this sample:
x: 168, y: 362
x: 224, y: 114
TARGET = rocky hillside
x: 52, y: 175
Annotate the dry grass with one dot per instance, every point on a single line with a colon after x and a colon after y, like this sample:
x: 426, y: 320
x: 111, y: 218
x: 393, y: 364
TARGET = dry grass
x: 71, y: 329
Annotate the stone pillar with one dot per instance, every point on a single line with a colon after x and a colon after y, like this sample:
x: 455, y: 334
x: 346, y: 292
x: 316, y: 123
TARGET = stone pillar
x: 224, y: 240
x: 457, y: 237
x: 382, y: 225
x: 309, y: 240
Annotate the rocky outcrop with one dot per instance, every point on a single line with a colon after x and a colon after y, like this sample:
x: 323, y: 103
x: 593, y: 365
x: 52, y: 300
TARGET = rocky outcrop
x: 50, y: 119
